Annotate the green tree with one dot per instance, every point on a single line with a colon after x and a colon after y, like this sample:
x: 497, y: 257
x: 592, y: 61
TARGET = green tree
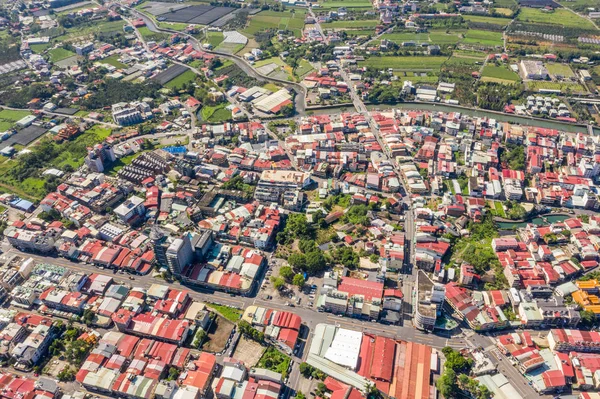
x: 588, y: 317
x: 199, y: 338
x: 287, y: 273
x: 173, y: 374
x: 315, y: 262
x: 446, y: 384
x: 67, y: 374
x: 88, y: 317
x: 297, y: 260
x: 298, y: 280
x: 277, y: 282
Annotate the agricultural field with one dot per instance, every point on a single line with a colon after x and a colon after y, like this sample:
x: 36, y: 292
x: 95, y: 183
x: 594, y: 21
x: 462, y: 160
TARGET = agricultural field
x: 405, y: 63
x: 360, y: 32
x: 417, y: 77
x: 360, y: 24
x: 399, y: 38
x: 178, y: 26
x: 68, y: 153
x: 9, y: 117
x: 59, y: 54
x: 285, y: 20
x: 483, y: 38
x: 564, y: 87
x: 230, y: 48
x: 216, y: 114
x: 505, y: 3
x: 39, y: 48
x: 504, y: 11
x: 360, y: 4
x: 303, y: 69
x: 499, y: 74
x: 281, y: 70
x: 80, y: 32
x: 463, y: 57
x: 148, y: 35
x: 579, y: 5
x: 557, y: 17
x: 214, y: 38
x: 440, y: 37
x: 177, y: 83
x: 558, y: 69
x: 114, y: 61
x: 487, y: 20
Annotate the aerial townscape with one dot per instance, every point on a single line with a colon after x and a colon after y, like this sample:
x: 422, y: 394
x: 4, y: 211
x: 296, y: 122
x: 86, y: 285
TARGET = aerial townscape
x: 299, y: 199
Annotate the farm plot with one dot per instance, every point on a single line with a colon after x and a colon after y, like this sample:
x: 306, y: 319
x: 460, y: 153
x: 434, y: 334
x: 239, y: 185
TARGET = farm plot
x: 59, y: 54
x: 24, y: 136
x: 564, y: 87
x: 360, y: 24
x: 361, y: 4
x: 201, y: 14
x: 84, y: 31
x: 483, y: 38
x: 181, y: 80
x: 442, y: 38
x: 558, y: 70
x: 487, y: 20
x: 114, y: 61
x: 170, y: 74
x: 276, y: 20
x: 9, y: 117
x: 499, y: 74
x: 557, y: 17
x: 216, y: 114
x: 214, y: 38
x: 400, y: 38
x: 405, y: 63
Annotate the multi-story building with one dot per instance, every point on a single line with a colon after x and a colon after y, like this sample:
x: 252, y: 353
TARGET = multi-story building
x: 430, y: 298
x: 29, y: 352
x: 100, y: 156
x: 274, y: 183
x: 131, y: 209
x: 179, y: 254
x: 563, y: 340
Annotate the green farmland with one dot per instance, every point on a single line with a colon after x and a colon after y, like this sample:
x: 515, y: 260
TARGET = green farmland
x: 557, y: 17
x: 360, y: 4
x: 483, y: 38
x: 59, y: 54
x: 405, y: 63
x: 499, y: 74
x: 178, y: 82
x: 487, y: 20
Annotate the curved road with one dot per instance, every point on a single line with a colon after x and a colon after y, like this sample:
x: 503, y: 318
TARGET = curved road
x: 300, y: 90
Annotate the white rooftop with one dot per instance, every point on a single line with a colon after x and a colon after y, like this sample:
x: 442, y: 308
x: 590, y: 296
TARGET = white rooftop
x: 345, y: 348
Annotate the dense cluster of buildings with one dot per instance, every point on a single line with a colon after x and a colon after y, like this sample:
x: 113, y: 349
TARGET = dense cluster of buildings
x: 397, y: 368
